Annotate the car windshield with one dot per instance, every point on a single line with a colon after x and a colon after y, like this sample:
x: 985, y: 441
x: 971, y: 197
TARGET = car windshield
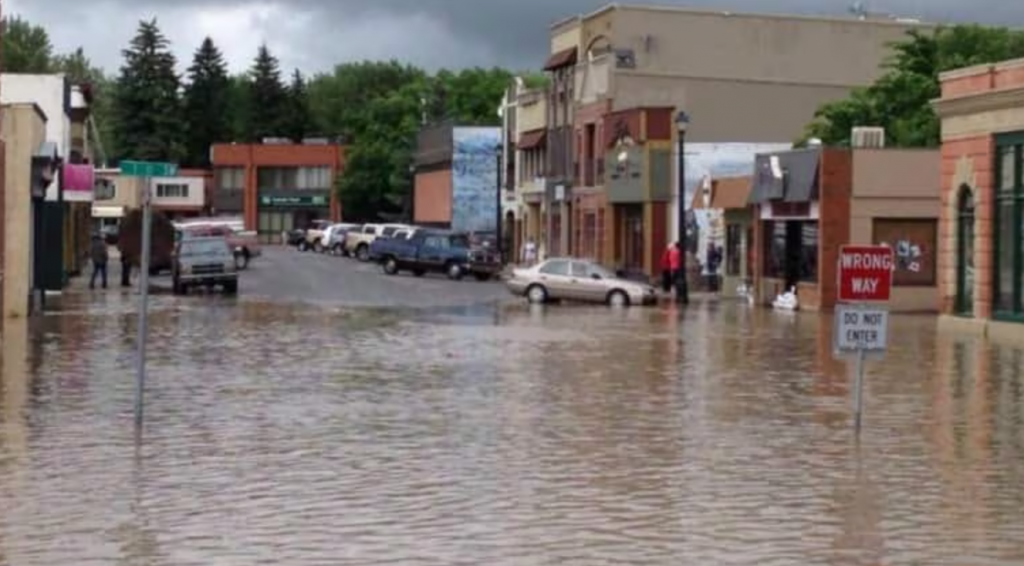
x: 204, y: 247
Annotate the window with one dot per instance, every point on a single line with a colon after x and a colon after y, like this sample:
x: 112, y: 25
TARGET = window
x: 172, y: 190
x: 313, y: 178
x: 914, y: 243
x: 580, y: 269
x: 556, y: 267
x: 230, y: 178
x: 436, y: 242
x: 733, y: 249
x: 1008, y: 229
x: 277, y: 178
x: 791, y: 251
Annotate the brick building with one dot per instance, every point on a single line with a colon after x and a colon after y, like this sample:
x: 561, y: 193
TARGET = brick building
x: 635, y: 66
x: 981, y: 257
x: 277, y: 186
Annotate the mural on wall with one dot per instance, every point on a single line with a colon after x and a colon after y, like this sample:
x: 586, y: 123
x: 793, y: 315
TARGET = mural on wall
x: 706, y: 161
x: 475, y: 178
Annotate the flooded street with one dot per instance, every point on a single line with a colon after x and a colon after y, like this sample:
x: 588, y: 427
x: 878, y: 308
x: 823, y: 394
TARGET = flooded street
x: 503, y: 435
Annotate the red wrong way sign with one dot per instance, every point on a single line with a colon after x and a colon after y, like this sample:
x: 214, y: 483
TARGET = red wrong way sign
x: 865, y: 273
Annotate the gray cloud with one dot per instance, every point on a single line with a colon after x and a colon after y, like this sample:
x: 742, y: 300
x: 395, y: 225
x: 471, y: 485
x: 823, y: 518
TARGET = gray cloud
x: 315, y: 34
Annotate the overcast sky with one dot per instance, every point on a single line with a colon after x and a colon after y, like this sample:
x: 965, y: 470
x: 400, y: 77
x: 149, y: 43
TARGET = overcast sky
x: 313, y: 35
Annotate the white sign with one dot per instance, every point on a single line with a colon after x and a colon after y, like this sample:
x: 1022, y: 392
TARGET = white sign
x: 860, y: 328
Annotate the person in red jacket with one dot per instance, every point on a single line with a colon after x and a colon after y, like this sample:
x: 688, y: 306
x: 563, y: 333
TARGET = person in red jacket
x: 667, y: 273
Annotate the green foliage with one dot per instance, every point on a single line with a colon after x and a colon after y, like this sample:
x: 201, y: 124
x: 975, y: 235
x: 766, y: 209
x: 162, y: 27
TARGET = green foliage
x: 267, y: 93
x: 533, y: 80
x: 26, y: 47
x: 206, y: 104
x: 900, y: 101
x: 147, y: 116
x: 298, y: 121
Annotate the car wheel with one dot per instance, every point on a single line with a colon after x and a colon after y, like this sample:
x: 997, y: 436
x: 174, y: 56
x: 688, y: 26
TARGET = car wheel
x: 536, y: 294
x: 363, y: 252
x: 618, y: 299
x: 390, y: 266
x: 231, y: 288
x: 454, y: 271
x: 419, y: 272
x: 241, y: 260
x: 303, y: 246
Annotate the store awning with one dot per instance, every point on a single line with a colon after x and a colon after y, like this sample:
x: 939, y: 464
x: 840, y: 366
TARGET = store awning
x: 789, y: 176
x: 108, y: 212
x: 727, y: 193
x: 532, y: 139
x: 563, y: 58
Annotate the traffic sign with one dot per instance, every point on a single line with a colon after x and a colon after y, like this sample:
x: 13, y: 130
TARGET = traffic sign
x: 865, y: 273
x: 860, y: 328
x: 148, y: 169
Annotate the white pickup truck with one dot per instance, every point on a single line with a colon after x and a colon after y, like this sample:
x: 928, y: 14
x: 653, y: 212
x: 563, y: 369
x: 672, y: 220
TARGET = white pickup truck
x: 357, y: 242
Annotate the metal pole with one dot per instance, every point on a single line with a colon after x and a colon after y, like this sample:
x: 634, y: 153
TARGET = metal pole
x: 682, y: 293
x: 499, y: 232
x: 143, y: 331
x: 858, y: 391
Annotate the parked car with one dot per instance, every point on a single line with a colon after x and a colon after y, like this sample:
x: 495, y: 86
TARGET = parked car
x: 357, y: 242
x: 333, y: 239
x: 381, y: 242
x: 573, y: 279
x: 294, y: 237
x: 204, y: 261
x: 312, y: 235
x: 244, y: 244
x: 428, y: 251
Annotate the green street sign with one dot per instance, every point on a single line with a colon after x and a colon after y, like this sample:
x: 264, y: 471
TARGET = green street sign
x: 148, y: 169
x: 293, y: 200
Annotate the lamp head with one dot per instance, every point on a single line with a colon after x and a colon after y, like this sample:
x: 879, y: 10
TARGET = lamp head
x: 682, y: 121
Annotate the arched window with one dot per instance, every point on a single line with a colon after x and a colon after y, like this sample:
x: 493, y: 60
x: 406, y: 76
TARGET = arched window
x: 965, y: 251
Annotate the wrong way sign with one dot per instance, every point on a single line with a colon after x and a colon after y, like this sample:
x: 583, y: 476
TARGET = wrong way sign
x: 865, y: 273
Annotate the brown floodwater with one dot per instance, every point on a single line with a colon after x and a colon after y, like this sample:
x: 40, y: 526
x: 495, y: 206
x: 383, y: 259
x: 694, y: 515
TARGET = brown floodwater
x: 283, y: 434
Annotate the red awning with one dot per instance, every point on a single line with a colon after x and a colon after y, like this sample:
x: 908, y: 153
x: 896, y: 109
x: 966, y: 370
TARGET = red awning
x: 561, y: 59
x: 532, y: 139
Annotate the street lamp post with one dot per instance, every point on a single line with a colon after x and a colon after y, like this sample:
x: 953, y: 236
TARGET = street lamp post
x: 499, y: 235
x: 682, y: 293
x: 412, y: 193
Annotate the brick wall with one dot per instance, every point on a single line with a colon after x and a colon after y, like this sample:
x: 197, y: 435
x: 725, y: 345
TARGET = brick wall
x: 836, y: 186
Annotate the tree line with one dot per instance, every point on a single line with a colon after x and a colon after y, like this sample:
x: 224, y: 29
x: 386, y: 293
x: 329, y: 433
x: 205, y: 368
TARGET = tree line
x: 147, y: 111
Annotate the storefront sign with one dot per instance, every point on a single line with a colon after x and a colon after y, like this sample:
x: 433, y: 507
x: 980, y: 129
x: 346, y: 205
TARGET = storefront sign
x: 293, y: 200
x: 865, y: 273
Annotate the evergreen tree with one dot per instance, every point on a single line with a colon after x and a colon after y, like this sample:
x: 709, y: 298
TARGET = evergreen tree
x: 299, y: 120
x: 268, y: 97
x: 147, y: 117
x: 206, y: 104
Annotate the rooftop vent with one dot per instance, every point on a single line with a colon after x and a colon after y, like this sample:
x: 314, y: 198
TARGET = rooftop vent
x: 275, y: 141
x: 867, y: 137
x: 316, y: 141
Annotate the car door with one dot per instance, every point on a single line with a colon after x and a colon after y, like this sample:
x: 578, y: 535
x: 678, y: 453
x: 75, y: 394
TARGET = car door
x: 431, y: 252
x: 582, y: 287
x: 555, y: 275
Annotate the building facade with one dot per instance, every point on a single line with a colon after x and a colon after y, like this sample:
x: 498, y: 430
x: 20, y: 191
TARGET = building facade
x: 768, y: 76
x: 531, y: 167
x: 981, y: 257
x: 277, y: 186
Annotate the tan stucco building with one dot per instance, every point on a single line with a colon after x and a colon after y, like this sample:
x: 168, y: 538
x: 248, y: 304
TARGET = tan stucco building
x: 742, y: 78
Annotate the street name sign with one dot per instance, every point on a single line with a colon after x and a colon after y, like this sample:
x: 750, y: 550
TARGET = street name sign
x: 148, y: 169
x: 865, y: 273
x: 860, y: 328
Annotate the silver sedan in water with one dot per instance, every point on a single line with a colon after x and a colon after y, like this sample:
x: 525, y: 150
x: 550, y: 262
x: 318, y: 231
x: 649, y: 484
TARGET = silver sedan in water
x: 575, y: 279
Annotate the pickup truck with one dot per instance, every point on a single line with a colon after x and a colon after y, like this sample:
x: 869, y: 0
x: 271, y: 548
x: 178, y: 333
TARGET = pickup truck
x: 244, y: 244
x: 381, y: 243
x: 438, y: 252
x: 357, y: 242
x: 204, y: 261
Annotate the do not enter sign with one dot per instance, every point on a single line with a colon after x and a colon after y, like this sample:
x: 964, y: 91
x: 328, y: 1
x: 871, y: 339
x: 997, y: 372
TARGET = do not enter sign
x: 865, y: 273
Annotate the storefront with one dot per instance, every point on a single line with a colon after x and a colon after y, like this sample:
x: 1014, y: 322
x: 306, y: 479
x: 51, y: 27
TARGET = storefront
x: 279, y: 213
x: 729, y: 195
x: 981, y: 249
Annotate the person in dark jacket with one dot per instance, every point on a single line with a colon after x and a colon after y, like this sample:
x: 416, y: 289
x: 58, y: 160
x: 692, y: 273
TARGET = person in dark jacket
x: 99, y: 255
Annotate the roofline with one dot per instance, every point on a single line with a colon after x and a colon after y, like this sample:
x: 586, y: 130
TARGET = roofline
x: 565, y: 24
x: 883, y: 22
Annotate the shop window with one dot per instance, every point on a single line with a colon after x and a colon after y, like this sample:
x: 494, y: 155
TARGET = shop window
x: 791, y: 251
x: 172, y: 190
x: 914, y: 246
x: 1008, y: 229
x: 965, y: 251
x: 733, y: 249
x: 230, y: 178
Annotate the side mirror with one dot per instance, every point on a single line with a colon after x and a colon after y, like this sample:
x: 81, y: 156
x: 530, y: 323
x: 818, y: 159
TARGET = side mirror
x: 596, y: 276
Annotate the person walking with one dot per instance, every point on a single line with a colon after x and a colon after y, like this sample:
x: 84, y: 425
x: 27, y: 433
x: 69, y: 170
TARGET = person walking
x: 529, y: 252
x: 99, y: 255
x: 666, y: 269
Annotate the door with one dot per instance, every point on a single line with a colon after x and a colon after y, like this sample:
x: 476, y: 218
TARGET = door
x: 432, y: 252
x: 965, y: 252
x: 555, y: 276
x: 582, y: 286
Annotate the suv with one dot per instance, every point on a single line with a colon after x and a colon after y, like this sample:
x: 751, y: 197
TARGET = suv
x: 204, y: 262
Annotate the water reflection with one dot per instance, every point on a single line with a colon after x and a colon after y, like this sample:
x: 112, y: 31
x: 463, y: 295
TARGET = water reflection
x: 520, y: 435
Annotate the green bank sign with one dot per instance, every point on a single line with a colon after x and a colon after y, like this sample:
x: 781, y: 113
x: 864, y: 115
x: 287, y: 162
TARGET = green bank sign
x: 293, y: 201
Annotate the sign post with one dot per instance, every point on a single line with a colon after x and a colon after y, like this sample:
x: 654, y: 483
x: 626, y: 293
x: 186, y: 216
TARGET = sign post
x: 861, y: 320
x: 145, y: 170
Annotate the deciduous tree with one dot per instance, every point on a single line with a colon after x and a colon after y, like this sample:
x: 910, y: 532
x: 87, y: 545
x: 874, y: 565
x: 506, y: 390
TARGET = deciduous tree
x: 26, y: 47
x: 147, y: 113
x: 206, y: 104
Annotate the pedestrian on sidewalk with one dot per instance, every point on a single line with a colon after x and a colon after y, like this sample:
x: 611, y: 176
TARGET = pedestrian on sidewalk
x: 666, y: 269
x: 675, y: 264
x: 100, y: 255
x: 126, y: 270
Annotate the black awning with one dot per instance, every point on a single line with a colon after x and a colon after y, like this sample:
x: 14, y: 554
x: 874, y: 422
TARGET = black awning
x: 798, y: 181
